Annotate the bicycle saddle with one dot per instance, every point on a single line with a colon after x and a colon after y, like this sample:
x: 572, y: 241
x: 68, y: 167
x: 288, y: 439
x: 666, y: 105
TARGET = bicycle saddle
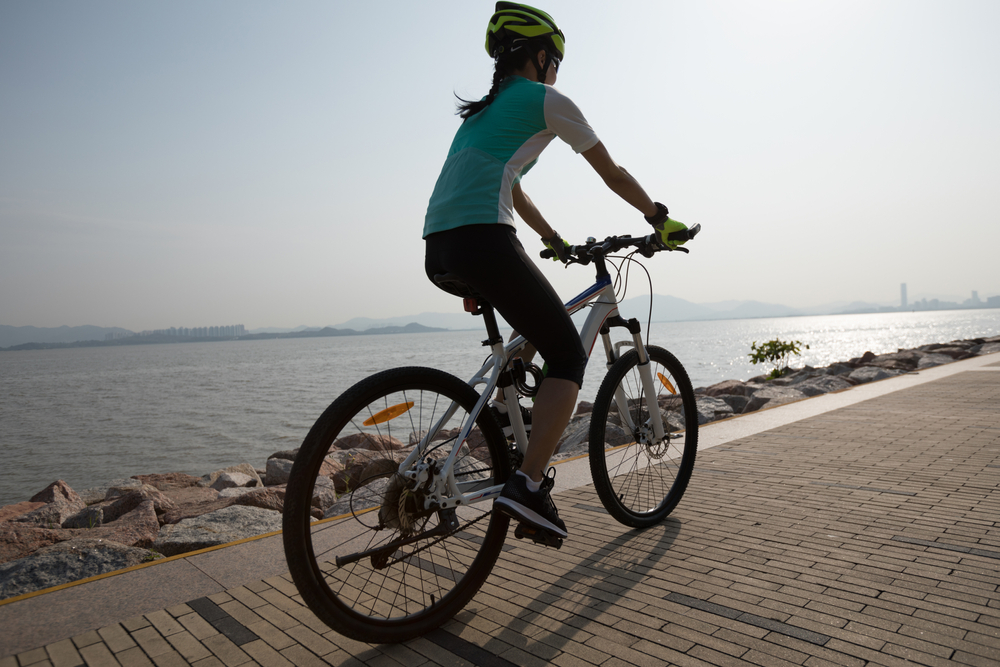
x: 452, y: 284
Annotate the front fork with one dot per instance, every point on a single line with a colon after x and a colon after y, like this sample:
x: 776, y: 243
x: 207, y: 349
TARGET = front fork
x: 654, y: 427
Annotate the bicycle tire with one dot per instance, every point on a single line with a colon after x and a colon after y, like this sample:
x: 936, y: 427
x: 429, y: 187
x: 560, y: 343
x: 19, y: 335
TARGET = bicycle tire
x: 640, y: 484
x: 393, y: 597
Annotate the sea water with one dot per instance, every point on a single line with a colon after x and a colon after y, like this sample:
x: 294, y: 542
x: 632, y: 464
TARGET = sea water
x: 90, y: 415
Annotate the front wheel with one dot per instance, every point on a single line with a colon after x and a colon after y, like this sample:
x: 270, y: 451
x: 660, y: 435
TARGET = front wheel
x: 366, y: 553
x: 638, y: 478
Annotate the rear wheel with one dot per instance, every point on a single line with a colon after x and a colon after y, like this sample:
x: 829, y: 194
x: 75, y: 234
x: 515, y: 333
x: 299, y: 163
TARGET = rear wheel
x: 638, y: 478
x: 375, y: 565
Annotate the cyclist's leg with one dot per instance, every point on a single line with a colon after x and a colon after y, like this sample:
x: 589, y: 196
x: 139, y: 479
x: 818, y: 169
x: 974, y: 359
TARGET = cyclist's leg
x: 491, y: 259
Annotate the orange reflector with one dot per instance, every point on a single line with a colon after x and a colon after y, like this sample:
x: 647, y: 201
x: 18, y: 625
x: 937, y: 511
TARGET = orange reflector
x: 383, y: 416
x: 666, y: 383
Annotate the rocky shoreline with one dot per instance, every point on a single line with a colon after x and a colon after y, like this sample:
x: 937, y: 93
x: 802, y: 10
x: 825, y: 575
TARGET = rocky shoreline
x: 61, y: 535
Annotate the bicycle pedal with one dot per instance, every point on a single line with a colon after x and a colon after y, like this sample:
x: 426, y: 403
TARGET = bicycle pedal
x: 538, y: 536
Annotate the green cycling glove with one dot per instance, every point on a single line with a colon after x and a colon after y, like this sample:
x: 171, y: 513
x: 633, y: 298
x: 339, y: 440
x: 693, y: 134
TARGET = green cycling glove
x: 559, y: 246
x: 666, y: 228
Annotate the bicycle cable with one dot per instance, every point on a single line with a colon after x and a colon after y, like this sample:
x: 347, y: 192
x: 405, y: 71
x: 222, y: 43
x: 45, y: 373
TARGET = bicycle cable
x: 620, y: 293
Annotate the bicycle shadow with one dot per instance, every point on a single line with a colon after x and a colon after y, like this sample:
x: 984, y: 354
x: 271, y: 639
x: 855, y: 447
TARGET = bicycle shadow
x: 592, y: 587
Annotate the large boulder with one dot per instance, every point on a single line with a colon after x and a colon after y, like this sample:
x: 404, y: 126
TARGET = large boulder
x: 822, y: 384
x: 711, y: 409
x: 137, y: 528
x: 378, y: 443
x: 168, y: 481
x: 737, y: 403
x: 65, y: 562
x: 11, y: 512
x: 97, y: 494
x: 244, y: 468
x: 871, y: 374
x: 904, y: 360
x: 18, y: 540
x: 61, y: 502
x: 230, y: 480
x: 270, y: 498
x: 727, y: 388
x: 930, y: 359
x: 772, y: 396
x: 223, y: 526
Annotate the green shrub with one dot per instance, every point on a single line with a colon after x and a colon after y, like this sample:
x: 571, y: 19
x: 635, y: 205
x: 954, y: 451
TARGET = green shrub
x: 776, y: 352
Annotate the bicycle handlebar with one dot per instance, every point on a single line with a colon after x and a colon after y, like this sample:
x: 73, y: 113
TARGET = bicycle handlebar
x: 645, y: 245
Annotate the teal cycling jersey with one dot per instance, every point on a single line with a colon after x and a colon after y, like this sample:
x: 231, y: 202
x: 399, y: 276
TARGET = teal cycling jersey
x: 498, y: 145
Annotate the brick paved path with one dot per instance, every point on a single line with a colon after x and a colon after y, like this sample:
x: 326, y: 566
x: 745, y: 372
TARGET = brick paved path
x: 868, y: 535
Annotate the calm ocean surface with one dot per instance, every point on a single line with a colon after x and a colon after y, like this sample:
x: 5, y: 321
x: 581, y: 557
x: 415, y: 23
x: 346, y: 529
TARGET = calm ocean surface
x: 90, y: 415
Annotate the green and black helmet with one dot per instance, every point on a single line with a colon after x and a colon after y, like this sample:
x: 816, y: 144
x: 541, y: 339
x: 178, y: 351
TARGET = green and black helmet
x: 513, y: 21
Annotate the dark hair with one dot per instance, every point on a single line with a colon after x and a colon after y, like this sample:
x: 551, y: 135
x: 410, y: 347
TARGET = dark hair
x: 504, y: 66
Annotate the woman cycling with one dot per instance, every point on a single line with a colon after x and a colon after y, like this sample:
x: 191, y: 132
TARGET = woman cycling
x: 470, y: 232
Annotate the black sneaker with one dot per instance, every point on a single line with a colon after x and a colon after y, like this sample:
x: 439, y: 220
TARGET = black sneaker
x: 536, y: 509
x: 504, y: 419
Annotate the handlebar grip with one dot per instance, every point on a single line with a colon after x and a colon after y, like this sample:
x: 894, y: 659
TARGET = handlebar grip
x: 684, y: 235
x: 548, y: 253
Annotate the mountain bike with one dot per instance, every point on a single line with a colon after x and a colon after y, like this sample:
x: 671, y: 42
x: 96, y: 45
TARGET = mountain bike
x: 413, y: 537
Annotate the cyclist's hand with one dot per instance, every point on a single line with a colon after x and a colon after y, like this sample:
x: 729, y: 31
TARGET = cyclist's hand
x: 559, y: 246
x: 666, y: 228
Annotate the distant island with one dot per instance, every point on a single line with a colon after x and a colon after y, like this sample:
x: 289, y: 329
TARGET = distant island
x: 159, y: 339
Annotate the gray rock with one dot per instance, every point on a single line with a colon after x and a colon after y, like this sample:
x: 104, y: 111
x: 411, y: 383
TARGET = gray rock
x: 61, y: 502
x: 278, y: 471
x: 727, y: 388
x: 822, y: 384
x: 737, y: 403
x: 96, y: 494
x: 772, y: 396
x: 65, y: 562
x: 288, y: 454
x: 229, y: 480
x: 872, y: 373
x: 839, y: 369
x: 88, y: 517
x: 575, y: 437
x: 237, y: 491
x: 989, y: 348
x: 222, y: 526
x: 244, y: 468
x: 711, y: 409
x: 930, y: 360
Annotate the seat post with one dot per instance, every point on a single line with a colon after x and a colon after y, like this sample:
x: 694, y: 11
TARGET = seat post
x: 490, y: 319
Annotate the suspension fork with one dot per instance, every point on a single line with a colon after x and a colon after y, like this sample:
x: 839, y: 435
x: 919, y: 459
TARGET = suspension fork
x: 645, y: 375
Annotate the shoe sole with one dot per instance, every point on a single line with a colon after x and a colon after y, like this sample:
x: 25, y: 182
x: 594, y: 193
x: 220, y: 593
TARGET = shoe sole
x: 521, y: 513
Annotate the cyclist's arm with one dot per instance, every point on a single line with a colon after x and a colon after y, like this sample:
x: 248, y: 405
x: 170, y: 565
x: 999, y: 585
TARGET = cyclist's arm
x: 620, y: 181
x: 530, y: 213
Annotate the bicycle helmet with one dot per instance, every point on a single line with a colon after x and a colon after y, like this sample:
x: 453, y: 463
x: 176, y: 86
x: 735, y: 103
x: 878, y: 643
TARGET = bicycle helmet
x: 513, y: 21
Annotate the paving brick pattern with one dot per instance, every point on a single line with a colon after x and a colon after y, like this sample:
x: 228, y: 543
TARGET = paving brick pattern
x: 864, y: 536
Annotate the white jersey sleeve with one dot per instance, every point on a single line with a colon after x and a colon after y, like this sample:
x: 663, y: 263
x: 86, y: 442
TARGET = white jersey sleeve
x: 564, y: 118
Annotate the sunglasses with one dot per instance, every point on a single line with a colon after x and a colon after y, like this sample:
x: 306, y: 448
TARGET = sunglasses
x: 555, y: 62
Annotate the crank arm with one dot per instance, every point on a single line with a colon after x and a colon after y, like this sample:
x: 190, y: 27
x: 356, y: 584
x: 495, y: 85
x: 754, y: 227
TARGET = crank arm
x: 448, y: 523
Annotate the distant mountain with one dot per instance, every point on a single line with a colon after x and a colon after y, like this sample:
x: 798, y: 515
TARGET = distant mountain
x: 10, y: 336
x: 457, y: 320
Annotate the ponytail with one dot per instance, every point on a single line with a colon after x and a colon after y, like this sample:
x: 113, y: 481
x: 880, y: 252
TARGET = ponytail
x: 469, y: 109
x: 506, y: 63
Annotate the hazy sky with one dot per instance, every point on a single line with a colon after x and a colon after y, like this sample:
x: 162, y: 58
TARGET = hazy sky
x: 208, y: 162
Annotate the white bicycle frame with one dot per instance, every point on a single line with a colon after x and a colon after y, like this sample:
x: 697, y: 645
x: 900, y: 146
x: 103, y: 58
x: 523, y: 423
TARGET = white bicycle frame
x: 446, y: 492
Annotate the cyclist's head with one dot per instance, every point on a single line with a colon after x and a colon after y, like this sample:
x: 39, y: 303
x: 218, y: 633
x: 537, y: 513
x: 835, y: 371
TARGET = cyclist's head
x: 515, y: 27
x: 516, y: 35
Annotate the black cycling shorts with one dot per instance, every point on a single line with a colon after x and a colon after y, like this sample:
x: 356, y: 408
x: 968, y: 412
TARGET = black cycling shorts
x: 492, y: 261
